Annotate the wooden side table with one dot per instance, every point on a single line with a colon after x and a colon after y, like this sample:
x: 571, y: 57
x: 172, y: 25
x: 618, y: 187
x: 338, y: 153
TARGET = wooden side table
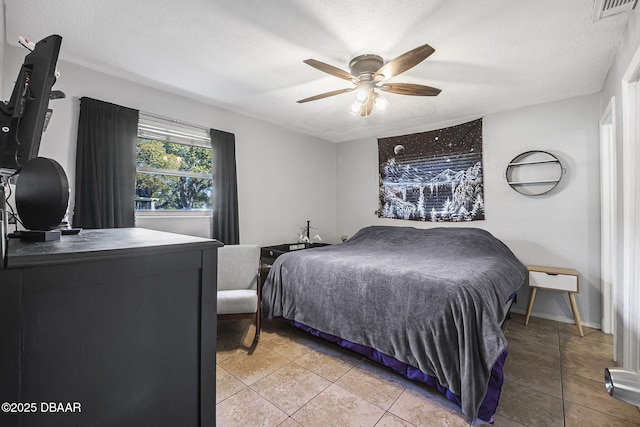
x: 555, y: 279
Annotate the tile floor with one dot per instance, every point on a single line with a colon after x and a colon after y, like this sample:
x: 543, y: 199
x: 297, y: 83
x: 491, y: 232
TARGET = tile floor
x: 553, y: 378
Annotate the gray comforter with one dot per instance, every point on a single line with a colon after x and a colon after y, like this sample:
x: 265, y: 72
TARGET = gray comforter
x: 432, y: 298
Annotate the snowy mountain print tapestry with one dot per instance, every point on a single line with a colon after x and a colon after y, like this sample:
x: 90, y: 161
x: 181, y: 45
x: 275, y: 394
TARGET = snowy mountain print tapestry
x: 433, y: 176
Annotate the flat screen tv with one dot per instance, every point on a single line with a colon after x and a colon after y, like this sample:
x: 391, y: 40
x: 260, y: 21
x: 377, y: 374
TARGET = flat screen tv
x: 22, y: 119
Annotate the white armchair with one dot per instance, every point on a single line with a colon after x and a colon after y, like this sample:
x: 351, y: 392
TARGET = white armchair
x: 239, y: 287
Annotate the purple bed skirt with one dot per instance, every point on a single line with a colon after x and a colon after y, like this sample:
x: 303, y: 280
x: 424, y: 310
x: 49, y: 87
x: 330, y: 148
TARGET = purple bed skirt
x: 489, y: 403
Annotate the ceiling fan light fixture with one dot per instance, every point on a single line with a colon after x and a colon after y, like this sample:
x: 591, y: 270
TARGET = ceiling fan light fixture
x: 367, y: 73
x: 381, y: 103
x: 362, y: 96
x: 355, y: 109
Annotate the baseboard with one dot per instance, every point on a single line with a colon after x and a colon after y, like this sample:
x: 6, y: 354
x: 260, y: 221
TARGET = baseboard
x: 557, y: 318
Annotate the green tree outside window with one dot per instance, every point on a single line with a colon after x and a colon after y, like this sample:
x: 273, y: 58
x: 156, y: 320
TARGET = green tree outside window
x: 172, y: 176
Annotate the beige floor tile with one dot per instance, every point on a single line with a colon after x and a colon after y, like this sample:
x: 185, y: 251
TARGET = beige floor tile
x: 226, y: 384
x: 585, y: 365
x: 328, y: 362
x: 592, y: 394
x: 572, y: 329
x: 336, y: 406
x: 291, y: 347
x: 530, y: 407
x: 244, y: 328
x: 531, y: 370
x: 277, y: 327
x: 576, y: 344
x: 534, y: 322
x: 589, y: 333
x: 579, y: 416
x: 423, y: 410
x: 273, y: 328
x: 247, y: 408
x: 234, y: 337
x: 373, y: 383
x: 390, y: 420
x: 387, y: 373
x: 289, y: 422
x: 532, y: 335
x: 228, y: 346
x: 500, y: 421
x: 302, y: 336
x: 249, y: 368
x: 341, y: 353
x: 432, y: 394
x: 544, y: 344
x: 305, y: 387
x: 290, y: 387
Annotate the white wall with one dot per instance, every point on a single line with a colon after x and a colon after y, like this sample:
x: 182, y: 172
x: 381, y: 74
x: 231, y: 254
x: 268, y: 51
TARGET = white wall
x: 199, y: 226
x: 559, y: 229
x: 284, y: 178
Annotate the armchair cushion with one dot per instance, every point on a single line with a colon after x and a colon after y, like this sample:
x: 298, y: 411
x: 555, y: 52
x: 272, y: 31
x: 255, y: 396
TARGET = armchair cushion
x: 237, y: 301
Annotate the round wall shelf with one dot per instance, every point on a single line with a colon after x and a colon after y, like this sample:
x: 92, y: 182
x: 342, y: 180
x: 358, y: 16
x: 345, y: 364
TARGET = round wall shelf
x: 533, y: 173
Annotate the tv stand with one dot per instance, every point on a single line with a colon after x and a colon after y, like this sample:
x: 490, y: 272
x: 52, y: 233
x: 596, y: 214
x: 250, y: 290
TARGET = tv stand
x: 121, y: 321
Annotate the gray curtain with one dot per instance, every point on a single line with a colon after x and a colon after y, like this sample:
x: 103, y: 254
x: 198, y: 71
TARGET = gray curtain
x: 105, y: 165
x: 225, y: 188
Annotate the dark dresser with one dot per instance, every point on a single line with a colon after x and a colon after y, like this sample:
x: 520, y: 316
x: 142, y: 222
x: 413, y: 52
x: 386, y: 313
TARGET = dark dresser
x: 118, y: 323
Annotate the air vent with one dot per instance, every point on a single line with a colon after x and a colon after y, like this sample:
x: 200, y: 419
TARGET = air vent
x: 604, y: 8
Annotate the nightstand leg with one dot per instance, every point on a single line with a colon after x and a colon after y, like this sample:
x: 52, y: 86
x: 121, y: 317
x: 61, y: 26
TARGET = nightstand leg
x: 531, y: 298
x: 576, y: 316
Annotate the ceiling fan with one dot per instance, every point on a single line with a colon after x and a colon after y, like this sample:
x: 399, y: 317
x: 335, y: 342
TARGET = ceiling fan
x: 369, y: 72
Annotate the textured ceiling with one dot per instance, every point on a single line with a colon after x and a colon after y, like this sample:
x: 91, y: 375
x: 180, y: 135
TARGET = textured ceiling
x: 246, y: 55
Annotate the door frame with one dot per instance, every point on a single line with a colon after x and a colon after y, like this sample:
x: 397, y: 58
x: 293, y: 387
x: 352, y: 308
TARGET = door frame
x: 608, y: 217
x: 630, y: 316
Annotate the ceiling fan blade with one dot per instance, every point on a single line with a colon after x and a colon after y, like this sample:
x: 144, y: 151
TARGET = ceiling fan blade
x: 367, y: 108
x: 403, y: 62
x: 409, y: 89
x: 325, y: 95
x: 330, y: 69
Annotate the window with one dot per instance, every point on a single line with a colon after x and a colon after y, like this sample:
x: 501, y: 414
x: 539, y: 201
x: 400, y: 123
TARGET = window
x: 173, y: 167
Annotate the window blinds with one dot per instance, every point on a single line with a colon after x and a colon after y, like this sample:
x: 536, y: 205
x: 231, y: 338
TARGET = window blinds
x: 163, y: 129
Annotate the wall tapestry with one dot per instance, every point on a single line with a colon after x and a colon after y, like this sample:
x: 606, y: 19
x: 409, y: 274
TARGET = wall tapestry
x: 433, y: 176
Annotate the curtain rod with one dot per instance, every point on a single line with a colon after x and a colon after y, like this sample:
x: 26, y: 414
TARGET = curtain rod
x: 175, y: 121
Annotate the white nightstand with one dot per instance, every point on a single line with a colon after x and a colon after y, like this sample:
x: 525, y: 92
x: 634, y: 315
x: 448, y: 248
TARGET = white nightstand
x: 555, y: 279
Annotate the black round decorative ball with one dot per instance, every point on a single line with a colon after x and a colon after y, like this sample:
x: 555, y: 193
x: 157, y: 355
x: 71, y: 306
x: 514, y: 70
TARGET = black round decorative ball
x: 42, y: 194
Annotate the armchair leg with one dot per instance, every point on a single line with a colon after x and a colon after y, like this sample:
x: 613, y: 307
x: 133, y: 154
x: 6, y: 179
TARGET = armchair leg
x: 258, y: 322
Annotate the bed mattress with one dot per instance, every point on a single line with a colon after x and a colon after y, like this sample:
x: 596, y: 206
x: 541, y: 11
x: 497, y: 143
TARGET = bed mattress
x: 432, y: 299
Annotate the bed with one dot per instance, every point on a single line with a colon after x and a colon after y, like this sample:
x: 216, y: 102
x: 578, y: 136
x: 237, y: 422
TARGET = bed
x: 426, y: 302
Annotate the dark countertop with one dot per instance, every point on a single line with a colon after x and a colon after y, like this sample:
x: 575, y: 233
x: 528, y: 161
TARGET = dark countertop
x: 89, y: 244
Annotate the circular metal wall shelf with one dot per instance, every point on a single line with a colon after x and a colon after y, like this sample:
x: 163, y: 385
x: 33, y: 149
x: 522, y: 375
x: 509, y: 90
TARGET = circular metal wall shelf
x: 534, y: 173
